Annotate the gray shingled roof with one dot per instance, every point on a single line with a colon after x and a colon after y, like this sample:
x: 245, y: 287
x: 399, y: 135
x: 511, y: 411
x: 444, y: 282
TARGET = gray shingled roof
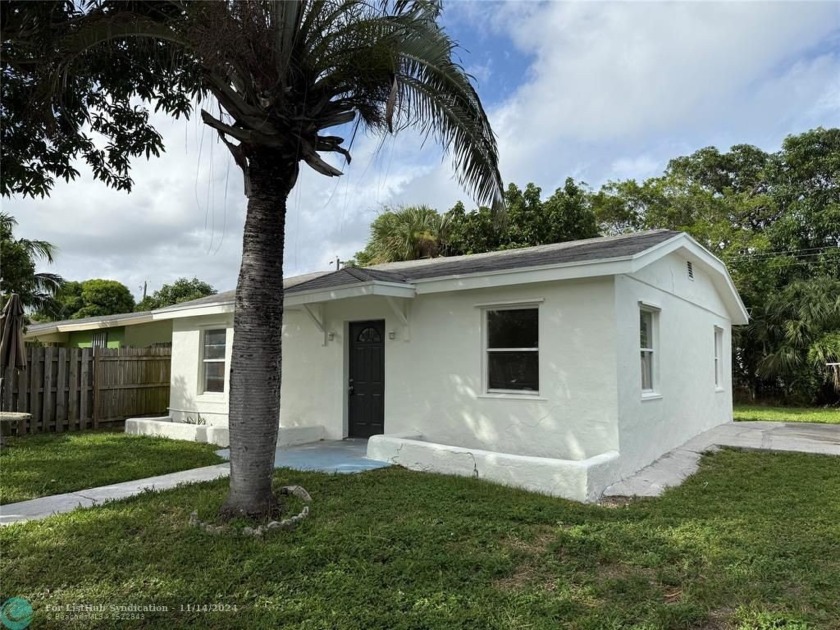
x: 601, y: 248
x: 226, y: 297
x: 347, y: 277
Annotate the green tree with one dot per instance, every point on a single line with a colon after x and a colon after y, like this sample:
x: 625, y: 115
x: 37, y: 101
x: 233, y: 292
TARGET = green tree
x: 406, y: 233
x: 18, y: 258
x: 104, y: 297
x: 473, y: 232
x: 565, y: 216
x: 283, y: 73
x: 60, y: 90
x: 68, y: 301
x: 90, y: 298
x: 182, y: 290
x: 797, y: 331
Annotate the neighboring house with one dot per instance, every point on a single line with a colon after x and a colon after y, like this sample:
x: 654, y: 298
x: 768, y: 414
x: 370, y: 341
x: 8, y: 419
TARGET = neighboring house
x: 561, y: 368
x: 135, y: 330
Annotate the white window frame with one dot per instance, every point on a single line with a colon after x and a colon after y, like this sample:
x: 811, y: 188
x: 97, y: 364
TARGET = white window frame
x: 718, y: 359
x: 485, y: 349
x: 653, y: 350
x: 202, y: 382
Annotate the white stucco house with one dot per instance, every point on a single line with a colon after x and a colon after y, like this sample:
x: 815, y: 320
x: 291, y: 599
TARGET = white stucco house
x: 561, y: 368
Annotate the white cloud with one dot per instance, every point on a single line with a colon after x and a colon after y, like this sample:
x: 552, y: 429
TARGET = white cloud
x: 614, y: 91
x: 627, y: 77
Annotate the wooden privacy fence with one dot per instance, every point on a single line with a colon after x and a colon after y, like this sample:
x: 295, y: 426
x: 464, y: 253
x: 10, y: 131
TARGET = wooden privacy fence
x: 72, y: 389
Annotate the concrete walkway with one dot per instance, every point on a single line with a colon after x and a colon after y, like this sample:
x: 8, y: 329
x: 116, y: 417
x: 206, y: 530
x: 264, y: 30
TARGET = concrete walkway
x: 344, y: 456
x: 674, y: 467
x: 59, y: 503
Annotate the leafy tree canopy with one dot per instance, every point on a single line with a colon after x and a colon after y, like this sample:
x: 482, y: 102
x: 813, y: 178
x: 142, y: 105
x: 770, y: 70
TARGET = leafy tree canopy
x: 182, y: 290
x: 529, y: 220
x: 90, y: 298
x: 421, y: 232
x: 59, y: 91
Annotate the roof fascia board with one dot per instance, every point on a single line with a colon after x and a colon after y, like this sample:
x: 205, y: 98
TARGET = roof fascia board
x: 525, y: 275
x: 386, y: 289
x: 220, y: 308
x: 107, y: 323
x: 46, y: 330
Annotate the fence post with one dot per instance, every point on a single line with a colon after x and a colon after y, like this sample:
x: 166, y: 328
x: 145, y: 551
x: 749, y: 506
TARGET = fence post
x: 73, y: 391
x: 97, y: 384
x: 34, y: 388
x: 84, y: 407
x: 48, y: 407
x: 61, y: 391
x: 23, y: 391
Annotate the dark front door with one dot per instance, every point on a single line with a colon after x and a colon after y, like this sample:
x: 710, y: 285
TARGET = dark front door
x: 366, y: 389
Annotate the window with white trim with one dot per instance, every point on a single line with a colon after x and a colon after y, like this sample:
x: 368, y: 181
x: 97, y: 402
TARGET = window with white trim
x: 213, y: 360
x: 718, y: 358
x: 512, y: 350
x: 647, y: 347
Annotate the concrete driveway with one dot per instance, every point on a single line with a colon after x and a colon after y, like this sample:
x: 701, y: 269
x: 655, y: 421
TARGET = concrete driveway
x: 672, y: 468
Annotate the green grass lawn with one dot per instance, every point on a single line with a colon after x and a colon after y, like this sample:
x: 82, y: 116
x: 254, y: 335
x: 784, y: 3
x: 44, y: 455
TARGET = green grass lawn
x: 40, y: 465
x: 752, y: 542
x: 786, y: 414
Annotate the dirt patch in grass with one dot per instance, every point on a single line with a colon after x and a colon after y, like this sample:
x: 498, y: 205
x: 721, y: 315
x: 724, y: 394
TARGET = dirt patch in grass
x: 617, y: 502
x: 719, y: 619
x: 528, y: 571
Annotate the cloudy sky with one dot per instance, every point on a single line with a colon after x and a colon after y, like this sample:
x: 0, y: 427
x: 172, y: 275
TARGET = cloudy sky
x: 592, y: 90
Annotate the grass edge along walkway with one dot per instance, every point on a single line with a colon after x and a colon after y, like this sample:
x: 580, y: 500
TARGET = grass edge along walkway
x: 822, y: 415
x: 49, y: 464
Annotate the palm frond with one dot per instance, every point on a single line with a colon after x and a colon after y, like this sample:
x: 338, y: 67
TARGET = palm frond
x: 38, y: 249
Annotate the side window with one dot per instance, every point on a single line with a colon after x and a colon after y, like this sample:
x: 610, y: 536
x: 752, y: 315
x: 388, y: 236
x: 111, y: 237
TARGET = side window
x: 213, y: 360
x: 718, y: 358
x: 647, y: 346
x: 99, y: 339
x: 512, y: 350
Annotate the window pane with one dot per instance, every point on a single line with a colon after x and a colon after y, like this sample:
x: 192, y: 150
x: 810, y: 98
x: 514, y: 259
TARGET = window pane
x: 214, y: 377
x: 214, y: 344
x: 369, y: 335
x: 514, y: 370
x: 647, y: 370
x: 516, y: 328
x: 646, y: 329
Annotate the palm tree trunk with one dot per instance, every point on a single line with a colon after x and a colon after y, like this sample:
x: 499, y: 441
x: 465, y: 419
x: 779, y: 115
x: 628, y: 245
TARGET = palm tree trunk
x: 255, y: 369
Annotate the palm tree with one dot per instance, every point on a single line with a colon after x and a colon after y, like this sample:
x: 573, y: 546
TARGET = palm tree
x: 406, y: 233
x: 797, y: 329
x: 283, y: 73
x: 17, y: 273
